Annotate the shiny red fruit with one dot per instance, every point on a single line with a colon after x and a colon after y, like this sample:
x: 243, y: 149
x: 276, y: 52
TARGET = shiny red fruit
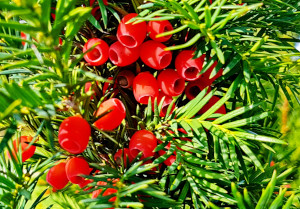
x: 187, y: 67
x: 75, y: 167
x: 142, y: 141
x: 74, y: 134
x: 131, y: 35
x: 99, y: 54
x: 195, y: 87
x: 165, y: 104
x: 125, y: 78
x: 145, y: 86
x: 152, y: 53
x: 27, y: 150
x: 57, y: 176
x: 156, y: 27
x: 212, y: 101
x: 110, y: 191
x: 112, y: 119
x: 121, y: 55
x: 24, y: 37
x: 96, y: 13
x: 126, y: 155
x: 96, y: 193
x: 170, y: 82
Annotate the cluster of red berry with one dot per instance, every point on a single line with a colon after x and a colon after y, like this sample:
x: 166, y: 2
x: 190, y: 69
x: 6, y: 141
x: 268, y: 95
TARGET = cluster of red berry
x: 74, y: 132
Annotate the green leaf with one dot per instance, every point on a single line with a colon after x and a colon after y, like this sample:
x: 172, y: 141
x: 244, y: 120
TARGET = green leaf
x: 246, y: 121
x: 257, y: 137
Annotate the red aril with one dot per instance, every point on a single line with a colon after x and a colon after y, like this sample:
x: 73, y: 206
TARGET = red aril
x: 112, y: 119
x: 27, y: 150
x: 57, y: 176
x: 121, y: 55
x: 156, y: 27
x: 73, y: 134
x: 142, y: 141
x: 75, y: 167
x: 152, y: 53
x: 131, y: 35
x: 170, y: 82
x: 145, y: 86
x: 99, y: 54
x: 126, y: 155
x: 125, y: 78
x: 195, y: 87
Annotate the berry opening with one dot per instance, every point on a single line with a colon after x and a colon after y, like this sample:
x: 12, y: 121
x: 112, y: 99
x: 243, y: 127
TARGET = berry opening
x: 122, y: 81
x: 128, y: 41
x: 95, y: 54
x: 191, y: 73
x: 70, y: 146
x: 179, y: 85
x: 76, y: 179
x: 167, y: 28
x: 164, y: 109
x: 194, y: 91
x: 113, y: 56
x: 165, y: 60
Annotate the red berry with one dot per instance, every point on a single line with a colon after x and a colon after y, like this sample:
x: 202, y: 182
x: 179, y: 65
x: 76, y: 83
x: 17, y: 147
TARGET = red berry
x: 212, y: 101
x: 73, y: 134
x: 131, y: 35
x: 99, y: 54
x: 195, y: 87
x: 57, y: 176
x: 187, y: 67
x: 125, y: 78
x: 121, y: 55
x: 110, y: 86
x: 142, y: 141
x: 165, y: 104
x: 24, y: 37
x: 156, y: 27
x: 113, y: 119
x: 145, y: 86
x: 170, y: 82
x: 75, y: 167
x: 152, y: 53
x: 96, y: 193
x: 27, y: 152
x: 96, y: 12
x: 126, y: 154
x: 85, y: 183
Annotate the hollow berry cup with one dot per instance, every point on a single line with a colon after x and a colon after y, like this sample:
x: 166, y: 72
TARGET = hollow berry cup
x: 207, y: 75
x: 187, y: 67
x: 73, y: 134
x: 152, y: 53
x: 116, y: 112
x: 131, y: 35
x: 195, y: 87
x: 121, y: 55
x: 156, y: 27
x: 99, y: 54
x: 145, y: 86
x: 57, y: 176
x: 142, y: 141
x: 27, y: 150
x: 75, y: 167
x: 125, y: 78
x: 170, y: 82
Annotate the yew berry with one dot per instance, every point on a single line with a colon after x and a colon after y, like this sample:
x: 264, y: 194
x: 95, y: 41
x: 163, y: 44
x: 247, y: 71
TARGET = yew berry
x: 110, y: 86
x: 24, y: 37
x: 110, y: 191
x: 99, y: 54
x: 125, y: 78
x: 195, y: 87
x: 126, y: 155
x: 142, y: 141
x: 213, y: 100
x: 165, y: 105
x: 73, y: 134
x: 152, y: 53
x: 129, y: 34
x: 187, y: 67
x: 145, y: 86
x: 156, y: 27
x: 96, y: 193
x: 170, y: 82
x: 116, y: 112
x: 27, y: 150
x: 121, y: 55
x: 57, y: 176
x: 75, y: 167
x: 96, y: 12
